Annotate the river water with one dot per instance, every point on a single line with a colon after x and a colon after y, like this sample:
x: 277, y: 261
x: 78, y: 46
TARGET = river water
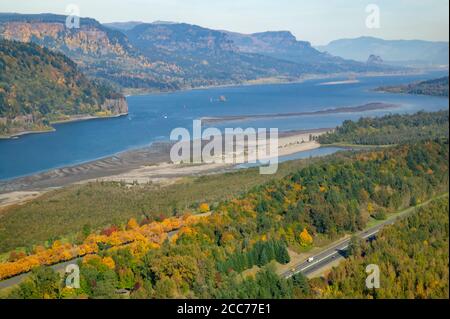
x: 152, y: 117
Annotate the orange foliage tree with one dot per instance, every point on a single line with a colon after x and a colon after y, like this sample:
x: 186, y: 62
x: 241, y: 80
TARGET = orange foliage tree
x: 305, y: 238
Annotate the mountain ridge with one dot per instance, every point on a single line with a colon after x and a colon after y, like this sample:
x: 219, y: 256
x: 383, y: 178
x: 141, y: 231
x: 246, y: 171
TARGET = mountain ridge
x: 167, y: 56
x: 419, y: 52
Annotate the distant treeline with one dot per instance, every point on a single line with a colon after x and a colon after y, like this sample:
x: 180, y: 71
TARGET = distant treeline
x: 435, y: 87
x: 390, y: 129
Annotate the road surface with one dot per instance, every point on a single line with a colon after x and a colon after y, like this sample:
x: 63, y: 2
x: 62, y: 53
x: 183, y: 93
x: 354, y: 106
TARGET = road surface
x: 337, y: 250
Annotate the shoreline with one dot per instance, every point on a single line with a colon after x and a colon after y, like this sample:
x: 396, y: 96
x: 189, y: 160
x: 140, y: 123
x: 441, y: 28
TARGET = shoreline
x: 261, y: 81
x: 273, y: 81
x: 149, y: 164
x: 52, y: 129
x: 352, y: 109
x: 23, y: 133
x: 339, y: 82
x: 88, y: 118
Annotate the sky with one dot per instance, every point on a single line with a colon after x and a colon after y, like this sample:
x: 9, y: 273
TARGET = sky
x: 317, y: 21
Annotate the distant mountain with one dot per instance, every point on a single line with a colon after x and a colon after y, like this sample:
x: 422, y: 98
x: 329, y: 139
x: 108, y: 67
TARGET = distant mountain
x: 98, y: 50
x: 38, y: 86
x: 212, y: 57
x: 435, y: 87
x: 163, y: 56
x: 207, y: 57
x: 399, y: 51
x: 164, y: 22
x: 122, y: 26
x: 284, y: 45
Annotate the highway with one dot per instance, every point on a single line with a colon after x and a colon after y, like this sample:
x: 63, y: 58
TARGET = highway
x: 337, y: 250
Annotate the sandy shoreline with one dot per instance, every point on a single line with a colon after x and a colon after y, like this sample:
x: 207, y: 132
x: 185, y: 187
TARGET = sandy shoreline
x: 17, y: 135
x: 87, y: 118
x: 339, y: 82
x: 146, y: 165
x: 350, y: 109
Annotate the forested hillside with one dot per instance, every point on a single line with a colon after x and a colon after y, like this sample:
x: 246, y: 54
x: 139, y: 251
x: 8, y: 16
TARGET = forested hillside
x: 390, y: 129
x: 38, y: 86
x: 205, y: 56
x: 98, y: 51
x: 205, y: 257
x: 412, y: 256
x: 435, y: 87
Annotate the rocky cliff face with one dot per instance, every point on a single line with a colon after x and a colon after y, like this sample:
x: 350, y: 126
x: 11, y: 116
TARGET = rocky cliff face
x: 205, y: 56
x: 117, y: 106
x: 374, y: 59
x: 100, y: 52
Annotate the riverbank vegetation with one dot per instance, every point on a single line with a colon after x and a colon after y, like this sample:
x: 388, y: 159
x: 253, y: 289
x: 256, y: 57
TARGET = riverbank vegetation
x: 38, y: 86
x: 435, y: 87
x: 390, y: 129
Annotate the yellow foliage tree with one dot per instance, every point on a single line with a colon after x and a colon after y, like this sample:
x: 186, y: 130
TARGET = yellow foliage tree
x: 132, y: 224
x: 305, y: 238
x: 109, y: 262
x: 204, y: 208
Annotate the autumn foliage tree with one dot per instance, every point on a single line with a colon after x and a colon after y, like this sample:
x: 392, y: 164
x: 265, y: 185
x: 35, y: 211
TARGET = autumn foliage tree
x: 204, y: 208
x: 305, y: 238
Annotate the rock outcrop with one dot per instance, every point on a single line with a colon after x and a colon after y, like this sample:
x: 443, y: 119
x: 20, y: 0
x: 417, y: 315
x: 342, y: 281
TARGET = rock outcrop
x: 374, y: 59
x: 118, y: 106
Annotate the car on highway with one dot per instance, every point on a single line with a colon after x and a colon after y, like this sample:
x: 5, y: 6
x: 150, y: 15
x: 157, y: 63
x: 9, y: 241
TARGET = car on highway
x: 310, y: 259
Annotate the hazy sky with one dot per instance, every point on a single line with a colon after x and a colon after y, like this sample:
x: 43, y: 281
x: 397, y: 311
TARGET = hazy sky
x: 317, y: 21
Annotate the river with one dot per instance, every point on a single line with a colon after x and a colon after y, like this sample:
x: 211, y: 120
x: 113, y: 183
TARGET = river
x: 152, y: 118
